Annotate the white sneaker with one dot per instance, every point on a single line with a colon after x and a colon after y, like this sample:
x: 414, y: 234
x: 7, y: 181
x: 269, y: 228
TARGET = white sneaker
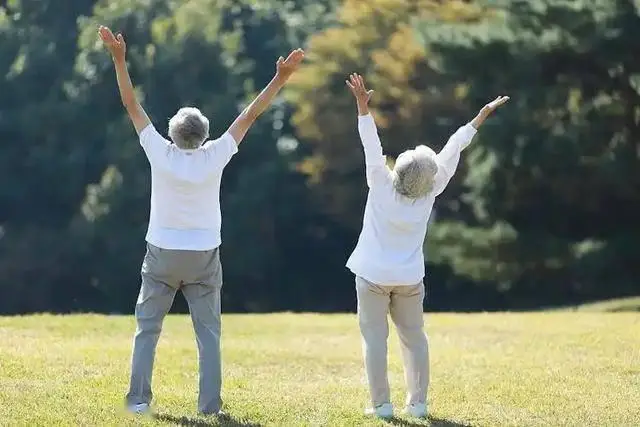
x: 220, y: 414
x: 418, y: 410
x: 139, y: 408
x: 381, y: 411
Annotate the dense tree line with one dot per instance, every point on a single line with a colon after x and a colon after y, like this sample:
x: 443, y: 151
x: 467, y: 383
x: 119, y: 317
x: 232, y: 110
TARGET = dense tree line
x: 544, y: 209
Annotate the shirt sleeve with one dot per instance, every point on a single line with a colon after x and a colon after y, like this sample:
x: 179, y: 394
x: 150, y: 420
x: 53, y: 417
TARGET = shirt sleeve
x: 154, y: 145
x: 449, y: 157
x: 376, y: 167
x: 221, y: 150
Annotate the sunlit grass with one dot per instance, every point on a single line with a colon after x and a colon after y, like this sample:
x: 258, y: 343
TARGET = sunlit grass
x: 611, y: 306
x: 579, y: 369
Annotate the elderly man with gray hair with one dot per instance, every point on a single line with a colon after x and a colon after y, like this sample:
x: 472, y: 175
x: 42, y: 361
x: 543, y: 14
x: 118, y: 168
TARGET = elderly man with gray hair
x: 183, y: 237
x: 388, y: 261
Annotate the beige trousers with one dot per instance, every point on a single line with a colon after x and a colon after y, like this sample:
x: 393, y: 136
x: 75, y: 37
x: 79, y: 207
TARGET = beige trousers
x: 405, y: 305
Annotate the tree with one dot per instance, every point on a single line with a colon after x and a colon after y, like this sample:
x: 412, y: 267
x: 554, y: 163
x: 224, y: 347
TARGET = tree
x: 42, y: 170
x: 216, y: 61
x: 554, y: 185
x: 413, y: 102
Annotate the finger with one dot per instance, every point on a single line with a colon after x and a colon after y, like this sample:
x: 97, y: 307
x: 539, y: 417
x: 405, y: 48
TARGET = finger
x: 107, y: 35
x: 291, y: 55
x: 120, y: 38
x: 349, y: 85
x: 502, y: 100
x: 280, y: 61
x: 103, y: 33
x: 297, y: 57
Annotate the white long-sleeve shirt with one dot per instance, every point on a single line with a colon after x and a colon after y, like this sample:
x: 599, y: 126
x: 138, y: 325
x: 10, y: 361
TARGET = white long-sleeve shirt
x: 389, y: 250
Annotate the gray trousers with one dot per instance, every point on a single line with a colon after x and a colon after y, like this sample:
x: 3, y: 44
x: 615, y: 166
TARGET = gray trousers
x: 199, y: 275
x: 405, y: 305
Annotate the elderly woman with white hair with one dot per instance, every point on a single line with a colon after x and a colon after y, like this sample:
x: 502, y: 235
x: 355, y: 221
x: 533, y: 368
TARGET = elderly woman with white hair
x: 388, y: 260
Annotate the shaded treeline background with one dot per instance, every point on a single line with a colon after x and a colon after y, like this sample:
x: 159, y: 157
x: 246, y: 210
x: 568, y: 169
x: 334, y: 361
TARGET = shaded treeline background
x: 545, y: 208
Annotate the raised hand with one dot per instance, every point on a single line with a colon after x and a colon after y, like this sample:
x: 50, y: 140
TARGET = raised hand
x: 491, y: 107
x: 486, y: 111
x: 286, y: 67
x: 114, y: 44
x: 360, y: 93
x: 358, y: 89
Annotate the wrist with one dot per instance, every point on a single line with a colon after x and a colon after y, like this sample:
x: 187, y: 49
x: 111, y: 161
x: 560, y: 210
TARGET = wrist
x: 280, y: 80
x: 484, y: 113
x: 119, y: 60
x: 363, y: 108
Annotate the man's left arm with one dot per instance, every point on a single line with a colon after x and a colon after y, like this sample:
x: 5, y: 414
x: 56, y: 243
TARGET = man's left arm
x: 284, y: 69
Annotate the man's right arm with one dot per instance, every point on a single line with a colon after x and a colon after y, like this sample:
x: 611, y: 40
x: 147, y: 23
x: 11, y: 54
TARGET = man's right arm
x: 136, y: 113
x: 117, y: 47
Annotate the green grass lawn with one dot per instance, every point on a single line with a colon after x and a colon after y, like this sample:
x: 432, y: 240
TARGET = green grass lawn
x: 611, y: 306
x: 575, y: 368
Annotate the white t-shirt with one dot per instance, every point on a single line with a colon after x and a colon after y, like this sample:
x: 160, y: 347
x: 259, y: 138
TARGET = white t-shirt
x: 389, y: 250
x: 185, y: 191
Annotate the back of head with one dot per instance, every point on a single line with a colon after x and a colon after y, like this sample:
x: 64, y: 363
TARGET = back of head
x: 188, y: 128
x: 415, y: 171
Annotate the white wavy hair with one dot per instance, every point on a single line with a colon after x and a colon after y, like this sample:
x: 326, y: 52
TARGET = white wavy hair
x: 415, y: 171
x: 188, y: 128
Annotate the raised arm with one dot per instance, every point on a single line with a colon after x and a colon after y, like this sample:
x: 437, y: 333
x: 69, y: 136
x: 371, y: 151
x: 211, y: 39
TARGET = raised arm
x: 374, y: 159
x: 449, y: 157
x: 117, y: 48
x: 284, y: 69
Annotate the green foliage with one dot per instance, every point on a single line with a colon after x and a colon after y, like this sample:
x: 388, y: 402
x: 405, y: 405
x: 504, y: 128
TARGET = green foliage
x: 543, y: 210
x: 178, y: 56
x: 558, y: 167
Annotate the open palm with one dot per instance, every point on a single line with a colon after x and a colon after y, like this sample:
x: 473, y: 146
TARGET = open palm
x: 493, y: 105
x: 114, y: 44
x: 286, y: 67
x: 358, y: 89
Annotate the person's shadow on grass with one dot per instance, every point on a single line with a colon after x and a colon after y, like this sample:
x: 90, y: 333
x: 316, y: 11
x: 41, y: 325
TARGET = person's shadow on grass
x: 222, y: 420
x: 432, y: 421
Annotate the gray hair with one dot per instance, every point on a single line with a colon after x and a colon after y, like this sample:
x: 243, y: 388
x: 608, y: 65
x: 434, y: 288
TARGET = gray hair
x: 415, y: 171
x: 189, y: 128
